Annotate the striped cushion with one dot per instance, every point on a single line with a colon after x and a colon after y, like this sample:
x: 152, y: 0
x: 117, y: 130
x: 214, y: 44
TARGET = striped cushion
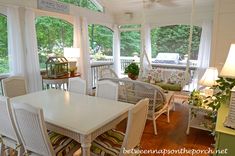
x: 62, y: 144
x: 108, y: 143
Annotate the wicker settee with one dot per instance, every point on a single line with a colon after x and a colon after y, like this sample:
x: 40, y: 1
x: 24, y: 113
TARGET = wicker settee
x: 132, y: 91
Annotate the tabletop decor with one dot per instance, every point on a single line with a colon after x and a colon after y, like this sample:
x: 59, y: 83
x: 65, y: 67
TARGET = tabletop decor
x: 56, y: 67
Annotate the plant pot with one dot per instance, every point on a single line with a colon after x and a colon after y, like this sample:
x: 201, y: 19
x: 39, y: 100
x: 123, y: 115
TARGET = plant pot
x: 133, y: 77
x: 72, y: 73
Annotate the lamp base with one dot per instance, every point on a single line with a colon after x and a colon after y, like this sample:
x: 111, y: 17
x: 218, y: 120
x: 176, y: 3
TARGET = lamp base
x: 230, y: 123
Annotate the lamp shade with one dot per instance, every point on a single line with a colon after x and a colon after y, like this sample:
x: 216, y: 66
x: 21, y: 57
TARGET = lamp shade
x: 71, y: 52
x: 209, y: 78
x: 228, y: 69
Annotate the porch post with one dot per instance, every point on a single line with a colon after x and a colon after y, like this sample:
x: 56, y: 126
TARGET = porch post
x: 116, y: 50
x: 81, y: 41
x: 146, y: 51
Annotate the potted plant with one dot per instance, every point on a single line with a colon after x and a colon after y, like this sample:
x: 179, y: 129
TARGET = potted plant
x: 132, y: 70
x: 72, y: 70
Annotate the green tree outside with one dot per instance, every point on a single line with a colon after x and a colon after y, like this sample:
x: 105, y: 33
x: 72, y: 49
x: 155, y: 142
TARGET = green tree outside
x: 52, y: 36
x: 4, y: 65
x: 174, y: 39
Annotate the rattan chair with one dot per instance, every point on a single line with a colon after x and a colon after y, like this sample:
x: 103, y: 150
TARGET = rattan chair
x: 36, y: 139
x: 77, y: 85
x: 114, y: 142
x: 9, y: 137
x: 107, y: 89
x: 14, y: 86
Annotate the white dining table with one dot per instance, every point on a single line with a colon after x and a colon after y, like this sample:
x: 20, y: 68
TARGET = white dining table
x: 78, y: 116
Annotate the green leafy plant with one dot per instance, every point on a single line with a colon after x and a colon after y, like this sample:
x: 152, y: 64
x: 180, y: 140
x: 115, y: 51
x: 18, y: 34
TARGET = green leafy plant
x: 195, y: 98
x: 221, y: 92
x: 132, y: 69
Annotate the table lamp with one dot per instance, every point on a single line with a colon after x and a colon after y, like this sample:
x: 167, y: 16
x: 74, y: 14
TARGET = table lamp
x: 209, y: 79
x: 72, y: 54
x: 228, y: 71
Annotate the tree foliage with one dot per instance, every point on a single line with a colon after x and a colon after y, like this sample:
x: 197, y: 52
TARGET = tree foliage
x: 130, y: 43
x: 174, y: 39
x: 101, y: 39
x: 52, y: 36
x: 4, y: 66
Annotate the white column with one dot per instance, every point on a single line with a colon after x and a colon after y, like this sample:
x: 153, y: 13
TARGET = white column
x: 146, y: 51
x: 81, y: 40
x: 116, y: 50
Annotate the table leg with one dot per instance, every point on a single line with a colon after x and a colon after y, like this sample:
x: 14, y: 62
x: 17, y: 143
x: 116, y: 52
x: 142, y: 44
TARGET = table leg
x: 86, y: 144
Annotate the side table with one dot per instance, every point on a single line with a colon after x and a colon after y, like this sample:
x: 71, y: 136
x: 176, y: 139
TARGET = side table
x: 58, y: 83
x: 198, y: 118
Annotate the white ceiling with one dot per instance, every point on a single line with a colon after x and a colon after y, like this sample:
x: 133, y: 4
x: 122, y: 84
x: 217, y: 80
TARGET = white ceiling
x: 122, y: 6
x: 156, y: 11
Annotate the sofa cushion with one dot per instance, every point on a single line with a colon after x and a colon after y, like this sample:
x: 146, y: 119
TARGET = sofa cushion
x: 169, y: 86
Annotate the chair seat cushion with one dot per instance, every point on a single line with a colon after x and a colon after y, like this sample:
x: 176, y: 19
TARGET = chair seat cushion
x: 108, y: 143
x: 62, y: 144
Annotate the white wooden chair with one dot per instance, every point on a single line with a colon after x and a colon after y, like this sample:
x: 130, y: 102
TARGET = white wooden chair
x: 107, y: 73
x: 114, y: 142
x: 77, y: 85
x: 9, y: 137
x: 14, y: 86
x: 34, y: 135
x: 107, y: 89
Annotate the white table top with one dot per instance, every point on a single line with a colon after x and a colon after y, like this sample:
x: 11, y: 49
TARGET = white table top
x: 82, y: 114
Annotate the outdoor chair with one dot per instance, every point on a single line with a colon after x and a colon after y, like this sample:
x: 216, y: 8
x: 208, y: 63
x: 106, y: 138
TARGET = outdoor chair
x: 14, y: 86
x: 114, y: 142
x: 107, y: 89
x: 77, y: 85
x: 9, y: 137
x: 36, y: 139
x: 132, y: 91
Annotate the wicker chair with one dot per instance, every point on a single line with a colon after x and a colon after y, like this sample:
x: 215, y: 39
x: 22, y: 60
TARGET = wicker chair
x: 14, y: 86
x: 8, y: 134
x: 35, y: 138
x: 77, y: 85
x: 132, y: 91
x: 114, y: 142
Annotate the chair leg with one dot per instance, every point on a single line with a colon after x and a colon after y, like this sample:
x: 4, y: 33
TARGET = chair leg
x: 168, y: 115
x: 2, y: 147
x: 155, y: 127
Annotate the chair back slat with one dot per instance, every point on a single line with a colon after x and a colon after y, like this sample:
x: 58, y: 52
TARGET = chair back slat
x: 77, y: 85
x: 14, y: 86
x: 6, y: 124
x: 107, y: 89
x: 32, y: 130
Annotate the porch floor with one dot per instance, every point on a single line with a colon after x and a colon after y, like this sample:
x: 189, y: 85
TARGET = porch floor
x: 172, y: 136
